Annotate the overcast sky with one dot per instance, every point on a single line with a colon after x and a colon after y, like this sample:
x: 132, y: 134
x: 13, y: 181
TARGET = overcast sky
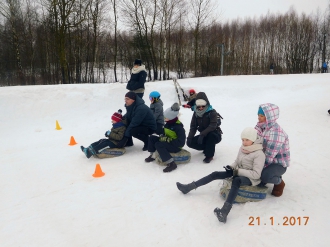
x: 250, y: 8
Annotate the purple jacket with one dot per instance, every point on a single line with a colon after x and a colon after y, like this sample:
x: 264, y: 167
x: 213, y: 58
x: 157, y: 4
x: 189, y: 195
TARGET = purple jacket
x: 276, y: 141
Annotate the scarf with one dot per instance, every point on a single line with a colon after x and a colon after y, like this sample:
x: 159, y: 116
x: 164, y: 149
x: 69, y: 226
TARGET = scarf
x: 200, y: 113
x: 251, y: 149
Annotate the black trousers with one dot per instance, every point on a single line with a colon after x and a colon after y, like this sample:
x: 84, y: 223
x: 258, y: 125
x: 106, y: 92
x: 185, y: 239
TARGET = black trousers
x: 103, y: 143
x: 142, y: 133
x: 164, y: 148
x: 208, y: 145
x: 237, y: 182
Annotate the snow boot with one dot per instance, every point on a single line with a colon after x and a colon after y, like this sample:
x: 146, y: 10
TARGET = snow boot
x: 278, y: 189
x: 207, y: 159
x: 86, y: 151
x: 186, y: 188
x: 170, y: 167
x: 223, y: 212
x: 149, y: 159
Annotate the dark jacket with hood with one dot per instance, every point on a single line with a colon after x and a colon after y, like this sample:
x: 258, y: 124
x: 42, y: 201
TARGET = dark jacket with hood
x: 138, y: 78
x: 205, y: 124
x: 139, y: 114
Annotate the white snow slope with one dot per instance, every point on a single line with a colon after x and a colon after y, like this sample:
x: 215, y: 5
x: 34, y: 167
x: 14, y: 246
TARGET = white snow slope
x: 50, y: 198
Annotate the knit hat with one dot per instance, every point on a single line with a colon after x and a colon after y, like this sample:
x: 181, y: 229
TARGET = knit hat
x: 131, y: 95
x: 172, y: 112
x: 200, y: 102
x: 250, y: 134
x: 117, y: 116
x: 138, y: 62
x: 260, y: 111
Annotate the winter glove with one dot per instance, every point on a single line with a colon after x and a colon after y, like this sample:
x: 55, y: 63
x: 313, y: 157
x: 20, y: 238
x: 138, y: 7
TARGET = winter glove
x: 186, y: 106
x: 122, y: 142
x: 165, y: 139
x: 107, y: 133
x: 200, y: 139
x: 229, y: 171
x: 189, y: 140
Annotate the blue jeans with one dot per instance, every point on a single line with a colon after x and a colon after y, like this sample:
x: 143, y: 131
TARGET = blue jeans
x: 272, y: 174
x: 237, y: 182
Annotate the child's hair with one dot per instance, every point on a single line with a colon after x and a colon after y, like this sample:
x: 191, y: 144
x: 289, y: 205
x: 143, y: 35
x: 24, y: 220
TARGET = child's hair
x: 117, y: 116
x: 250, y: 134
x: 154, y: 95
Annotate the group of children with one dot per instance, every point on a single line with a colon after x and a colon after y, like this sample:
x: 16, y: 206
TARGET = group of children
x: 265, y: 146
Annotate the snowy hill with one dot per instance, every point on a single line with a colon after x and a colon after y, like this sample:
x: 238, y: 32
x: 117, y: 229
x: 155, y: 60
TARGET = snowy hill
x: 49, y: 197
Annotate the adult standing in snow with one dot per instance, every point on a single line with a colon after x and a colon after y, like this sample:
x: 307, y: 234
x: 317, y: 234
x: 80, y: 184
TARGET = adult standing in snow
x: 140, y: 121
x: 138, y: 78
x: 324, y: 67
x: 204, y: 119
x: 246, y: 170
x: 271, y: 69
x: 275, y: 145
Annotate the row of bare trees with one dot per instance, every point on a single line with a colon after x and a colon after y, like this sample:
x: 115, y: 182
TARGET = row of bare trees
x: 96, y: 41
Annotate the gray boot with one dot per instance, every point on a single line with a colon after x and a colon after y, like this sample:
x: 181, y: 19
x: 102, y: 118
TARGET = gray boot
x: 223, y: 212
x: 185, y: 188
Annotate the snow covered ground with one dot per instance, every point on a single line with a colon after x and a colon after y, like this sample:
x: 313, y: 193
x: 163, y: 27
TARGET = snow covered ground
x: 50, y: 198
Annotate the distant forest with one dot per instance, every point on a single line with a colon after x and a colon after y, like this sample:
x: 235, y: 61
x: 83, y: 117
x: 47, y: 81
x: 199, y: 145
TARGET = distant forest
x: 82, y: 41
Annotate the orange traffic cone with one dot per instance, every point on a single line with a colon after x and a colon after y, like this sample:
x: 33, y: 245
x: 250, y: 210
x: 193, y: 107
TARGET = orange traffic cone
x: 72, y: 141
x: 98, y: 171
x: 58, y: 127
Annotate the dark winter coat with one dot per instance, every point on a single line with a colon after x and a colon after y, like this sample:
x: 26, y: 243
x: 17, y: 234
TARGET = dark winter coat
x: 139, y: 114
x: 176, y: 132
x: 205, y: 124
x: 157, y: 109
x: 138, y: 78
x: 117, y: 132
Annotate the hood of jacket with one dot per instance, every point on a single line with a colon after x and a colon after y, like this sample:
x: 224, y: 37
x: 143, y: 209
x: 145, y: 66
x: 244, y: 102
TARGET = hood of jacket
x: 272, y: 112
x: 202, y: 95
x: 138, y: 69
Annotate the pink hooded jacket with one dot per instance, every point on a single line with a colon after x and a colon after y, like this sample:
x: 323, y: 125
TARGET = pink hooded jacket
x: 276, y: 141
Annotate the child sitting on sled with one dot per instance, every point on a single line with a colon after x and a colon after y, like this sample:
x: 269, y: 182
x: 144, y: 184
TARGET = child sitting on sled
x: 113, y: 136
x: 246, y: 170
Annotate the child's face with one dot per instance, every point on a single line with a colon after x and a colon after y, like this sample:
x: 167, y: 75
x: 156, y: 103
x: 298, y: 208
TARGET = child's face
x: 151, y: 99
x: 261, y: 118
x: 246, y: 142
x: 113, y: 121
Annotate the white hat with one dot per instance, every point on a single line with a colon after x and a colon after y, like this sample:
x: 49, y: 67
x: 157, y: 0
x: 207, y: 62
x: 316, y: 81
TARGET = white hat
x: 172, y: 112
x: 200, y: 102
x: 250, y: 134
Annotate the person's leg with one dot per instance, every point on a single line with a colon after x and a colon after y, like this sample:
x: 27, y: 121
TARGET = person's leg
x: 185, y: 188
x: 224, y: 211
x: 151, y: 148
x: 272, y: 174
x: 194, y: 144
x: 141, y: 133
x: 164, y: 149
x: 102, y: 144
x: 210, y: 140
